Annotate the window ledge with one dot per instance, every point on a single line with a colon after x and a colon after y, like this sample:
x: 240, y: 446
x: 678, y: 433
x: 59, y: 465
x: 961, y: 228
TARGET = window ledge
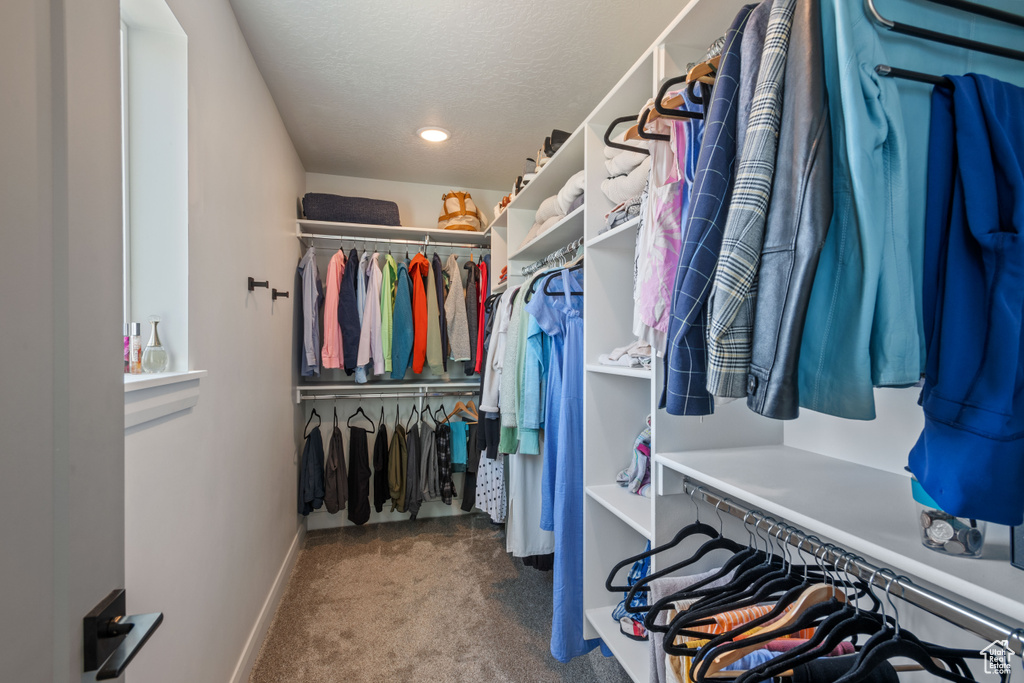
x: 151, y: 397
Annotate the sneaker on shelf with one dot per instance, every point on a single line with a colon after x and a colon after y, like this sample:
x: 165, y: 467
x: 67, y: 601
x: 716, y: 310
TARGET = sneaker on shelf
x: 555, y: 142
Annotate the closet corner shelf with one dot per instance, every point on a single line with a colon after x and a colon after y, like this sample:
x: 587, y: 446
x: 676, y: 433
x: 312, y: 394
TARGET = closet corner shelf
x: 632, y: 509
x: 550, y: 179
x: 642, y: 373
x: 500, y: 287
x: 500, y: 221
x: 327, y: 230
x: 633, y: 655
x: 557, y: 236
x: 863, y: 509
x: 619, y: 237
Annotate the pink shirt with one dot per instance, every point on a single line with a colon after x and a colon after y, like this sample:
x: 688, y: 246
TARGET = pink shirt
x: 370, y: 344
x: 332, y: 354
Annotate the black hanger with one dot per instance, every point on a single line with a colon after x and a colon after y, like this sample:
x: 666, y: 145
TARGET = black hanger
x: 893, y: 72
x: 695, y: 529
x: 551, y: 292
x: 674, y: 113
x: 649, y: 136
x: 947, y: 39
x: 417, y: 412
x: 443, y: 412
x: 311, y: 416
x: 618, y: 145
x: 335, y: 416
x: 359, y: 411
x: 744, y: 558
x: 717, y: 543
x: 382, y: 414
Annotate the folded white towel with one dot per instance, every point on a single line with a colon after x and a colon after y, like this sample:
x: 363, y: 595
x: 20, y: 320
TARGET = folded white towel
x: 623, y: 163
x: 548, y: 208
x: 540, y: 228
x: 625, y: 187
x: 572, y: 189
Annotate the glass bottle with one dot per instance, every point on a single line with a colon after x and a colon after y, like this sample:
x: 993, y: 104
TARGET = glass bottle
x: 135, y: 348
x: 155, y: 358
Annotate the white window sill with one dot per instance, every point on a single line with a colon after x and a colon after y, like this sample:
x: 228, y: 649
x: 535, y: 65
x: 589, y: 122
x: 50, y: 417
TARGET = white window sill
x: 151, y: 397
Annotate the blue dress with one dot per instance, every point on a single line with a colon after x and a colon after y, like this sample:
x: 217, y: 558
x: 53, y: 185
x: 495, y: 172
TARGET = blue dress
x: 560, y: 317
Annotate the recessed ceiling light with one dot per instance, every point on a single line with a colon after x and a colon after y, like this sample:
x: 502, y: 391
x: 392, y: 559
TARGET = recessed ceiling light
x: 433, y: 134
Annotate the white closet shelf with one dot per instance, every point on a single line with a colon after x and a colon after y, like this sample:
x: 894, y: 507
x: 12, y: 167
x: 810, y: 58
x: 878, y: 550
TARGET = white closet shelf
x: 642, y: 373
x: 330, y: 229
x: 557, y: 236
x: 500, y: 221
x: 633, y: 655
x: 550, y: 179
x: 863, y: 509
x: 632, y: 509
x: 500, y: 287
x: 620, y: 237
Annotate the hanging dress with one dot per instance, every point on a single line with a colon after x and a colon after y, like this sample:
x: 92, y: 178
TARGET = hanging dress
x: 564, y: 318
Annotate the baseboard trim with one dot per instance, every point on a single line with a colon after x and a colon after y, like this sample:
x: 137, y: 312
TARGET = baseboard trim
x: 259, y: 629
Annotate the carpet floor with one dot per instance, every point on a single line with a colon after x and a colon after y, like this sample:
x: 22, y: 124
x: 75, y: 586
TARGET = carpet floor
x: 433, y: 600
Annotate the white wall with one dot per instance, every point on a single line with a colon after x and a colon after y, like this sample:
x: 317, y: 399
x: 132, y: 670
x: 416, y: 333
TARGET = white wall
x: 418, y: 204
x: 211, y: 493
x: 158, y: 176
x: 61, y: 448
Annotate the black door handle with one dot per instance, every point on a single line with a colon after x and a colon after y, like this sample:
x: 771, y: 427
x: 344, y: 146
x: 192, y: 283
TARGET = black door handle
x: 112, y: 639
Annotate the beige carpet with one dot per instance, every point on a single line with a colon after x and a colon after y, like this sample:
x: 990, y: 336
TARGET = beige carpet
x: 431, y: 600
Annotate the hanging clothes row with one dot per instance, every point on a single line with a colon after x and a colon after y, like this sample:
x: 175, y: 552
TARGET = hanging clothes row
x: 374, y: 315
x: 790, y: 251
x: 532, y: 405
x: 764, y: 611
x: 412, y: 467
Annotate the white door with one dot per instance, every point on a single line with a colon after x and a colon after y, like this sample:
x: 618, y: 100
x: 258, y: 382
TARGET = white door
x: 61, y: 393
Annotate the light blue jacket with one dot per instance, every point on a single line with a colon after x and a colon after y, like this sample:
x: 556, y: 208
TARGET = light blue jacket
x: 864, y: 322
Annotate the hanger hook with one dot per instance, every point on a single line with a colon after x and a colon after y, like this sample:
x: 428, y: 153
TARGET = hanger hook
x: 781, y: 528
x: 888, y: 596
x: 769, y: 547
x: 693, y: 500
x: 721, y: 523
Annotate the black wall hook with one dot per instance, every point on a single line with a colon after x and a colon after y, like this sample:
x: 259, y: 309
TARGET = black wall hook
x: 275, y: 295
x: 253, y: 284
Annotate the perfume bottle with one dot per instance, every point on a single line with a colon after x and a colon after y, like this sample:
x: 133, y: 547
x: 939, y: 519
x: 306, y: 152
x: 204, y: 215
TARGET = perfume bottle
x: 127, y: 349
x: 155, y: 358
x: 135, y: 348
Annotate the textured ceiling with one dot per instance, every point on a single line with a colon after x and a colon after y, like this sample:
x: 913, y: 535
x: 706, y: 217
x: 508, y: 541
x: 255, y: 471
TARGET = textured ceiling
x: 355, y: 80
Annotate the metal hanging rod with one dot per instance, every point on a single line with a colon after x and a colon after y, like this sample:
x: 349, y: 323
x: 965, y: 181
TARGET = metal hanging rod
x: 392, y: 394
x: 942, y: 607
x: 425, y: 242
x: 555, y: 256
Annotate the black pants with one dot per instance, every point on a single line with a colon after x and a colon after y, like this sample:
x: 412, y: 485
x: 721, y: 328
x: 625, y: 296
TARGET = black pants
x: 472, y: 462
x: 358, y: 476
x: 381, y: 491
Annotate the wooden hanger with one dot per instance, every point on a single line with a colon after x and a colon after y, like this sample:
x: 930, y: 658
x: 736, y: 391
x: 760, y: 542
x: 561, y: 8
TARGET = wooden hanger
x: 815, y: 595
x: 703, y: 73
x: 468, y: 409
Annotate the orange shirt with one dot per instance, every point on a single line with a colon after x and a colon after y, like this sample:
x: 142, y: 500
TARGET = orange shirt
x: 419, y: 268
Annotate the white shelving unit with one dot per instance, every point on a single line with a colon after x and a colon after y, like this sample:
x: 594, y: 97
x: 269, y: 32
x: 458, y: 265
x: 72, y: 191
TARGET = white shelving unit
x: 633, y: 655
x: 839, y: 479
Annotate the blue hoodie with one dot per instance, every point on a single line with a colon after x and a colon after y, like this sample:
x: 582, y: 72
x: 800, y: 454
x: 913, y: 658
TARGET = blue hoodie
x: 401, y: 327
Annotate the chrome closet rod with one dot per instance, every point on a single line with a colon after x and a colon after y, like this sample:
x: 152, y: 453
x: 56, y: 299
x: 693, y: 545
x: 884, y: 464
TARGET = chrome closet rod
x: 394, y: 394
x: 394, y: 240
x: 903, y: 587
